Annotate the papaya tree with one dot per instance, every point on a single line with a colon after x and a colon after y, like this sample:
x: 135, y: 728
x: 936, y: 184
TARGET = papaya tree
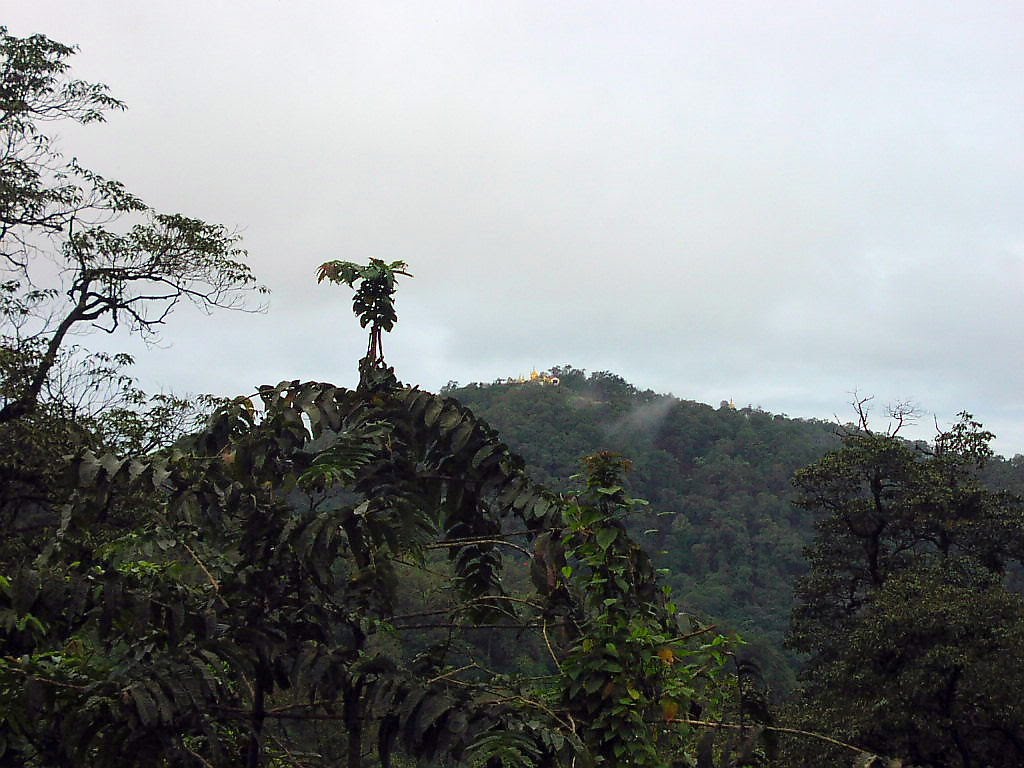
x: 373, y: 302
x: 237, y: 598
x: 228, y: 598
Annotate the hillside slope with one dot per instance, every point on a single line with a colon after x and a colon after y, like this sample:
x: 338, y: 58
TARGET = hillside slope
x: 721, y: 516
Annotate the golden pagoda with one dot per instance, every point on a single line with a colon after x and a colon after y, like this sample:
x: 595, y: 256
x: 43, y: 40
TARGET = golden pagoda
x: 537, y: 377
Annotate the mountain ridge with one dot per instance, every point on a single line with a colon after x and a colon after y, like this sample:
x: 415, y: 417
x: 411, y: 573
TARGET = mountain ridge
x: 721, y: 516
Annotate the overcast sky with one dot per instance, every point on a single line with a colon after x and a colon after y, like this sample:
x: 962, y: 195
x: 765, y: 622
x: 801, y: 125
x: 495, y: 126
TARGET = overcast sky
x: 779, y: 203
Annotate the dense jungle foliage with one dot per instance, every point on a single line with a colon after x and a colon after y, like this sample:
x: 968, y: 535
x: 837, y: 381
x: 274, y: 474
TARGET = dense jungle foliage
x: 311, y: 575
x: 719, y: 481
x: 722, y: 516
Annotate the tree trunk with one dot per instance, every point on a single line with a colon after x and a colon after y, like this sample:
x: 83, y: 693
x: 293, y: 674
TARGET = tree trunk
x: 353, y: 726
x: 255, y: 751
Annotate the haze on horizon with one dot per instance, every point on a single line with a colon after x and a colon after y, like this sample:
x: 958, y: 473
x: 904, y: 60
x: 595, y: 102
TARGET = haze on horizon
x: 718, y: 200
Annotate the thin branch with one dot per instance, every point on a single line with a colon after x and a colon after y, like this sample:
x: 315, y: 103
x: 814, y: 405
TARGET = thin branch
x: 571, y: 725
x: 16, y: 668
x: 486, y: 598
x: 447, y: 676
x: 244, y: 715
x: 196, y: 755
x: 477, y: 540
x: 695, y: 633
x: 421, y: 614
x: 450, y: 625
x: 292, y: 756
x: 774, y: 729
x: 547, y: 642
x: 202, y: 567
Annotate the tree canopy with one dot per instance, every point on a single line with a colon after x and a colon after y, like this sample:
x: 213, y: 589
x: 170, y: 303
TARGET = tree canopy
x: 77, y: 250
x: 913, y: 638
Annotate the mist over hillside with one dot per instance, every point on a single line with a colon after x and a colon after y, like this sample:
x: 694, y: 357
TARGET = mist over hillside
x: 721, y: 517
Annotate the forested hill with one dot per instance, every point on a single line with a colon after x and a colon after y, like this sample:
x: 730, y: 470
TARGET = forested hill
x: 718, y: 481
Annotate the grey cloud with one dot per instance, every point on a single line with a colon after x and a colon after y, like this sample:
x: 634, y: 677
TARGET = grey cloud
x: 776, y: 204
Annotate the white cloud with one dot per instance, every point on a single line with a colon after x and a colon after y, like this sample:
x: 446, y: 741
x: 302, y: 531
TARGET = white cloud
x: 777, y: 204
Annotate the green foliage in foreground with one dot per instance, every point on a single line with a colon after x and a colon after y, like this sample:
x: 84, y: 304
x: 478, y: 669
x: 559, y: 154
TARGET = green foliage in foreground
x: 237, y: 597
x: 323, y: 576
